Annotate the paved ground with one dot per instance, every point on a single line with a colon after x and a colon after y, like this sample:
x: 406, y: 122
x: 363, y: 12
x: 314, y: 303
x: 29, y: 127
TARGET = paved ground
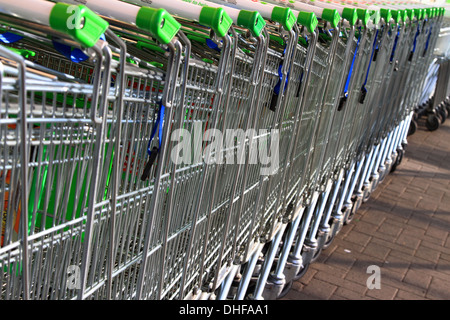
x: 404, y: 229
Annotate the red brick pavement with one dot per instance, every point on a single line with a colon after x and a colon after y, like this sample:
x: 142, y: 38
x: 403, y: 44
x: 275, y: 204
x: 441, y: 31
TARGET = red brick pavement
x: 403, y: 228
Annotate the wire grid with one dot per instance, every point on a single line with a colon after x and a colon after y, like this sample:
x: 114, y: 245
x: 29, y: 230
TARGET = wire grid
x: 297, y: 180
x: 329, y: 126
x: 333, y: 154
x: 61, y: 143
x: 380, y: 75
x: 353, y: 108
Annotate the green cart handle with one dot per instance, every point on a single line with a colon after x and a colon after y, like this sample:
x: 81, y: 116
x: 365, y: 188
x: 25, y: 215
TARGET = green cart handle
x: 250, y: 20
x: 158, y: 22
x: 282, y: 15
x: 307, y: 14
x: 77, y: 21
x: 215, y: 18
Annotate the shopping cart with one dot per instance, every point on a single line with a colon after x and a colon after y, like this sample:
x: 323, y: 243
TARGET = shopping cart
x: 393, y: 60
x: 210, y: 151
x: 399, y: 118
x: 294, y: 182
x: 55, y: 126
x: 87, y: 229
x: 426, y: 105
x: 414, y: 40
x: 378, y: 74
x: 349, y: 124
x: 341, y: 70
x: 298, y: 245
x: 221, y: 241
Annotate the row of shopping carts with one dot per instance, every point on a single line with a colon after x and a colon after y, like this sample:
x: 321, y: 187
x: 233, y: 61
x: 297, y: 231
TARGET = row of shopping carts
x: 434, y: 105
x: 172, y: 149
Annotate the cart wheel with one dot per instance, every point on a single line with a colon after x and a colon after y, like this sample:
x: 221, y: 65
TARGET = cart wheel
x: 444, y: 113
x: 412, y: 127
x: 367, y: 191
x: 352, y: 212
x: 287, y: 287
x: 328, y: 241
x: 302, y: 272
x: 316, y: 255
x: 438, y: 115
x: 432, y: 123
x: 398, y: 160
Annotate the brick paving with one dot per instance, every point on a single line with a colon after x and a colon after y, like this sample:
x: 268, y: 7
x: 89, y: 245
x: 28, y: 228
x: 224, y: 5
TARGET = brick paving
x: 403, y: 229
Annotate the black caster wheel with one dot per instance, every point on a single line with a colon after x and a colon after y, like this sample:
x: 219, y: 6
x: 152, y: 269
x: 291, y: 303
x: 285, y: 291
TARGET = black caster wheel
x: 444, y: 113
x: 432, y: 122
x: 398, y: 160
x: 412, y: 127
x: 287, y: 287
x: 302, y: 272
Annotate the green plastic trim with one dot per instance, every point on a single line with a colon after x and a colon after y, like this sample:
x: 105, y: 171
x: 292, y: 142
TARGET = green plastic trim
x: 404, y: 15
x: 363, y: 15
x: 141, y: 45
x: 217, y: 19
x: 410, y: 14
x: 277, y: 39
x: 376, y: 16
x: 418, y: 13
x: 428, y: 12
x: 396, y: 15
x: 251, y: 20
x: 434, y: 12
x: 192, y: 36
x: 284, y: 16
x: 23, y: 52
x: 350, y: 15
x: 158, y: 22
x: 386, y: 14
x: 90, y: 28
x: 308, y: 20
x: 332, y: 16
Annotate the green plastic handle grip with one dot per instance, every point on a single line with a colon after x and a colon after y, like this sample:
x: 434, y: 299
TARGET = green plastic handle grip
x: 158, y: 22
x: 386, y: 14
x: 363, y: 15
x: 283, y: 16
x: 308, y: 20
x: 410, y: 14
x: 418, y: 13
x: 396, y: 15
x: 350, y: 15
x: 376, y: 16
x: 251, y: 20
x: 217, y: 19
x: 332, y: 16
x: 79, y: 22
